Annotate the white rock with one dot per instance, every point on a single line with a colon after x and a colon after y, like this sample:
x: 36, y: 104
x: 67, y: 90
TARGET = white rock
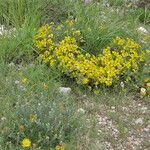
x: 112, y: 107
x: 11, y: 64
x: 5, y: 31
x: 148, y: 126
x: 142, y: 30
x: 17, y: 82
x: 139, y: 121
x: 122, y: 84
x: 22, y: 88
x: 81, y: 110
x: 87, y: 1
x: 1, y: 29
x: 146, y: 129
x: 84, y: 95
x: 3, y: 118
x: 144, y: 108
x: 64, y: 90
x: 124, y: 108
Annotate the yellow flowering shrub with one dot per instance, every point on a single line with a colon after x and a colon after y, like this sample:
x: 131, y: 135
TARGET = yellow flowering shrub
x: 121, y: 58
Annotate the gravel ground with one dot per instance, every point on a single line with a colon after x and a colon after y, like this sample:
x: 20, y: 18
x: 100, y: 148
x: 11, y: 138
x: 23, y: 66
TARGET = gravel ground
x: 122, y: 127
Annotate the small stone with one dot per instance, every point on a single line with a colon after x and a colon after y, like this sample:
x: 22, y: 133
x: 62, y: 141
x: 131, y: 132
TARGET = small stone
x: 146, y: 129
x: 17, y: 82
x: 85, y: 96
x: 64, y: 90
x: 3, y: 118
x: 87, y: 1
x: 142, y: 30
x: 22, y: 88
x: 139, y: 121
x: 124, y: 109
x: 122, y: 84
x: 81, y: 110
x: 144, y: 108
x: 112, y: 107
x: 11, y: 64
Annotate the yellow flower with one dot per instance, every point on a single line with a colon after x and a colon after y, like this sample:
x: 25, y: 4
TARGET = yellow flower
x: 146, y: 80
x: 21, y: 128
x: 128, y: 79
x: 89, y: 29
x: 77, y: 33
x: 52, y: 23
x: 59, y: 147
x: 103, y: 69
x: 26, y: 143
x: 143, y: 92
x: 45, y: 86
x: 147, y: 51
x: 62, y: 108
x: 59, y: 27
x: 148, y: 85
x: 96, y: 92
x: 71, y: 22
x: 32, y: 117
x: 129, y: 5
x: 85, y: 81
x: 24, y: 81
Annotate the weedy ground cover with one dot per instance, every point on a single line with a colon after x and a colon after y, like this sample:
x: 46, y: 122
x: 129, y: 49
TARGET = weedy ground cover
x: 99, y: 49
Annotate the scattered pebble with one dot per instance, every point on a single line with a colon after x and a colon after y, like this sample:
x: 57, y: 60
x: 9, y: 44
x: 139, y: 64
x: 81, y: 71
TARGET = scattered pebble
x: 87, y: 1
x: 4, y: 31
x: 142, y: 30
x: 122, y: 84
x: 11, y: 64
x: 81, y: 110
x: 17, y: 82
x: 139, y: 121
x: 112, y: 107
x: 3, y: 118
x: 64, y: 90
x: 85, y: 96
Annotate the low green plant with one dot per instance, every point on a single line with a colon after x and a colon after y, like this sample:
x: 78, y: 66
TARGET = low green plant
x: 144, y: 15
x: 38, y: 111
x: 17, y: 46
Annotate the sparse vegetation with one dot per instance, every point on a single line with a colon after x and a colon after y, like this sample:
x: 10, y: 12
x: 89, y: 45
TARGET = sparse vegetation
x: 74, y: 75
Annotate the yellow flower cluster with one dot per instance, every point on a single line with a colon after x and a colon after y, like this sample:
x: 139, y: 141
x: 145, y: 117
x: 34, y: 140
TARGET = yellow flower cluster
x: 122, y: 57
x: 44, y: 42
x: 59, y: 147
